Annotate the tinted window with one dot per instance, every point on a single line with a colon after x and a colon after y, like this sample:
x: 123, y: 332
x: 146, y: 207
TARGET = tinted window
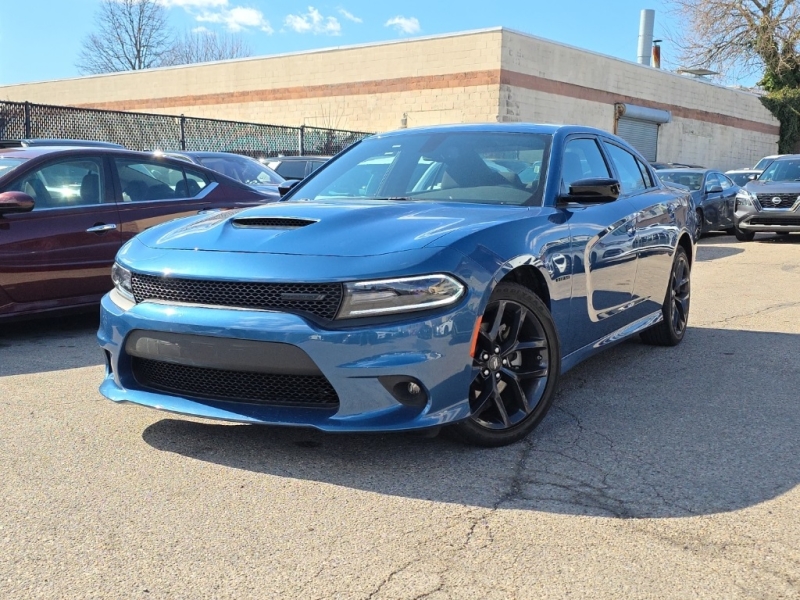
x: 7, y: 164
x: 724, y: 181
x: 648, y: 179
x: 711, y: 181
x: 741, y: 178
x: 630, y: 176
x: 144, y: 180
x: 582, y: 160
x: 293, y: 169
x: 242, y: 169
x: 691, y: 179
x: 456, y: 166
x: 76, y: 182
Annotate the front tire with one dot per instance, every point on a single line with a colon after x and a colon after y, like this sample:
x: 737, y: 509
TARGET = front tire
x: 515, y: 369
x: 670, y: 331
x: 743, y: 236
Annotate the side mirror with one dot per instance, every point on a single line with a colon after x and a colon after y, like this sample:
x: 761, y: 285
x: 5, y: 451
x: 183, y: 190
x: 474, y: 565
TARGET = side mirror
x: 15, y: 202
x: 287, y: 186
x: 752, y: 177
x: 714, y: 188
x: 592, y: 191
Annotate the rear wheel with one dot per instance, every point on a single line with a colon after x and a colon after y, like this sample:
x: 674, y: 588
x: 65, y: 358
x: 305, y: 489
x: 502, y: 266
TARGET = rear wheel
x: 670, y: 331
x: 515, y: 369
x: 743, y: 236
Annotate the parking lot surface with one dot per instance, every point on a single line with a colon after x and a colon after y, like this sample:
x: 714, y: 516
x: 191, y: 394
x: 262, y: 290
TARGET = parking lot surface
x: 659, y: 473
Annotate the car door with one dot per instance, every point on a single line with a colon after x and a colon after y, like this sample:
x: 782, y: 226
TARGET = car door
x: 61, y: 252
x: 713, y: 201
x: 603, y: 254
x: 656, y: 217
x: 729, y: 190
x: 150, y: 192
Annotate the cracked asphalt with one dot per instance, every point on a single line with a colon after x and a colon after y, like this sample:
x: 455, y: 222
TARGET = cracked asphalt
x: 659, y: 473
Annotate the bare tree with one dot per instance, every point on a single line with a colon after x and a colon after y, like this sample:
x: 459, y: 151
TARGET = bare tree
x: 741, y: 37
x: 130, y: 35
x: 206, y: 46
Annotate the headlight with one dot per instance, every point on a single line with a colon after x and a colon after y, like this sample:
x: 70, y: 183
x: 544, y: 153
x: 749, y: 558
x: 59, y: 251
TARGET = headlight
x: 122, y: 280
x: 369, y: 298
x: 745, y: 198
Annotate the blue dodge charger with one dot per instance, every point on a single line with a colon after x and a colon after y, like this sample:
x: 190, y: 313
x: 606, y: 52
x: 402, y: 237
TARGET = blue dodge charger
x: 428, y: 277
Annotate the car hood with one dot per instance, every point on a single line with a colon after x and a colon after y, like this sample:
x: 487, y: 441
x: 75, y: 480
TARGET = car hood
x: 358, y: 228
x: 773, y: 187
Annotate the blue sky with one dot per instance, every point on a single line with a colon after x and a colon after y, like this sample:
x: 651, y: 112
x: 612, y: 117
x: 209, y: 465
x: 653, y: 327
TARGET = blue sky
x: 40, y: 39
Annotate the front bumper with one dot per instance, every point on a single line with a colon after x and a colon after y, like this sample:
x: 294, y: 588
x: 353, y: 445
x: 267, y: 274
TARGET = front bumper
x: 433, y: 350
x: 751, y: 218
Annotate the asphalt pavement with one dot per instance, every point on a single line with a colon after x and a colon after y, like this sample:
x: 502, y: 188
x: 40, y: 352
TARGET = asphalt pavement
x: 659, y: 473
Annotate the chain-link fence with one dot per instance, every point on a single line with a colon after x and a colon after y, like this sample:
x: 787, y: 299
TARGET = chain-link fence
x: 146, y: 131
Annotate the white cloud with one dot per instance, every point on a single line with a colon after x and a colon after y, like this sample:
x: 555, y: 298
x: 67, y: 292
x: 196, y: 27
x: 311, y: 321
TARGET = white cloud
x: 350, y: 16
x: 313, y: 22
x: 201, y: 29
x: 195, y: 3
x: 237, y: 19
x: 403, y: 24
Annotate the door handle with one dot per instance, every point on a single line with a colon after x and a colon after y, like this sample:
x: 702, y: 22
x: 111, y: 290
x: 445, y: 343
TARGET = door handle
x: 101, y: 227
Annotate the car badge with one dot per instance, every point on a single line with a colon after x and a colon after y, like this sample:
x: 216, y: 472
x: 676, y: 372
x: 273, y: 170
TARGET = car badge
x: 776, y: 201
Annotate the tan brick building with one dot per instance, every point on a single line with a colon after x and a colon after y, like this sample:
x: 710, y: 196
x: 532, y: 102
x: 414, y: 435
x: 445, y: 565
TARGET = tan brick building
x: 481, y: 76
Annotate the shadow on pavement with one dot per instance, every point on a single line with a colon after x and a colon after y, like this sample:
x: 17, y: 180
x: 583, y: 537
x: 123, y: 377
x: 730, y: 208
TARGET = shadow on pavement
x: 52, y: 344
x: 708, y: 427
x: 714, y: 252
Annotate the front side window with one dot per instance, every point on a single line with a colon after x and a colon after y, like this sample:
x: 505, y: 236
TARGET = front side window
x: 630, y: 175
x: 9, y: 164
x: 724, y: 181
x: 66, y: 183
x: 143, y: 180
x: 479, y: 167
x: 582, y: 160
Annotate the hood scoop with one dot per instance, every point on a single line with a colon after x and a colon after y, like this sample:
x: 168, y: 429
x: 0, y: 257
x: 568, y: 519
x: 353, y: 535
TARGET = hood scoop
x: 272, y: 222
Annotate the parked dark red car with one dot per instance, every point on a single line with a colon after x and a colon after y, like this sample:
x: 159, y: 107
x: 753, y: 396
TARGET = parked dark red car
x: 64, y: 213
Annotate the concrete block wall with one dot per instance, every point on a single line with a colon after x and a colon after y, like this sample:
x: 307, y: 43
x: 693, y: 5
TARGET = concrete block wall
x: 711, y: 125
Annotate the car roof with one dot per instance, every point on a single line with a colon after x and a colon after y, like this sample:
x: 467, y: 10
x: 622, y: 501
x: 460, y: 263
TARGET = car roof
x: 203, y: 154
x: 296, y: 158
x: 735, y: 171
x: 686, y: 171
x: 783, y: 157
x: 499, y: 128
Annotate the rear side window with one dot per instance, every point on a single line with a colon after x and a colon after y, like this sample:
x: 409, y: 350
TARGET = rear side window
x: 75, y: 182
x: 293, y: 169
x: 145, y: 180
x: 630, y: 175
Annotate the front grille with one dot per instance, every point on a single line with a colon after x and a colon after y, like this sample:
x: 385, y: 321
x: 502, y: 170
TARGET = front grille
x: 272, y: 222
x: 319, y: 299
x: 772, y: 221
x: 236, y: 386
x: 787, y: 200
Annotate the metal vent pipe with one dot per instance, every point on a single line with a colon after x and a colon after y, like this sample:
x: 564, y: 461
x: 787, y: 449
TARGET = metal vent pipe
x: 646, y: 24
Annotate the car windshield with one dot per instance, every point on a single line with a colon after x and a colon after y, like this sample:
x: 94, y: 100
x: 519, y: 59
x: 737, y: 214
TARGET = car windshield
x: 479, y: 167
x: 782, y: 170
x: 691, y: 179
x: 763, y: 163
x: 742, y: 179
x: 9, y: 164
x: 242, y: 169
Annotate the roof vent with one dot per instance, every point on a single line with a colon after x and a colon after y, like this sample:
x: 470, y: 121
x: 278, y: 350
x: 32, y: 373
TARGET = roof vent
x: 272, y: 222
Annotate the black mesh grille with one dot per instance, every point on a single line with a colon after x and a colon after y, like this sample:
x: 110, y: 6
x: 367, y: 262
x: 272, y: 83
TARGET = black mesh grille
x: 791, y: 221
x: 787, y: 200
x: 236, y: 386
x: 272, y: 223
x: 319, y: 299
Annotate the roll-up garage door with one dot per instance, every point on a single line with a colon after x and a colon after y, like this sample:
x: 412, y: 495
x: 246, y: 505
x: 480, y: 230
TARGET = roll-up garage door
x: 638, y: 126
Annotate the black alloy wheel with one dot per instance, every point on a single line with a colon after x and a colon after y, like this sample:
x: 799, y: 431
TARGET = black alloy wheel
x: 515, y: 368
x: 675, y: 310
x: 698, y: 228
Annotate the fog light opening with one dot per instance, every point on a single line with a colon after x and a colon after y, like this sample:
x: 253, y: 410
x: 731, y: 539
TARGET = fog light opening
x: 406, y: 390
